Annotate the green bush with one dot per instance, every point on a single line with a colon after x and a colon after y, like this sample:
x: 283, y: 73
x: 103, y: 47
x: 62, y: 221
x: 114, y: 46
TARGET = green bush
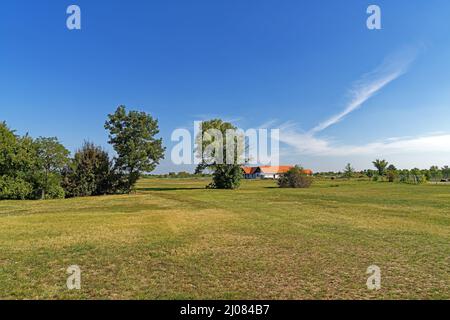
x: 55, y: 191
x: 295, y: 178
x: 412, y: 178
x: 226, y: 176
x: 392, y: 175
x: 90, y: 173
x: 14, y: 188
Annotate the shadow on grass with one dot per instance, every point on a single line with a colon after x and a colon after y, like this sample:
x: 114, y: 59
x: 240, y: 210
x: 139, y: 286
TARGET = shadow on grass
x: 169, y: 189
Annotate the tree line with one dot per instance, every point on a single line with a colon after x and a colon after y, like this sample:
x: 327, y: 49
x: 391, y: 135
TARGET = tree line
x: 41, y: 168
x: 388, y: 172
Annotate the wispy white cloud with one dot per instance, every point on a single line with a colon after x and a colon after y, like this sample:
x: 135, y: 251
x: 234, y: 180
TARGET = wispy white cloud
x: 268, y: 124
x: 309, y: 144
x: 393, y: 67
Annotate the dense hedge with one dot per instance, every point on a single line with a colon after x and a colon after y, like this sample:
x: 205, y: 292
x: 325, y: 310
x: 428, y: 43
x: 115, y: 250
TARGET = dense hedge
x: 42, y: 169
x: 14, y: 188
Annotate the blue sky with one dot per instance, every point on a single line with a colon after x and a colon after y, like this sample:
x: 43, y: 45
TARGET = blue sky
x: 339, y: 92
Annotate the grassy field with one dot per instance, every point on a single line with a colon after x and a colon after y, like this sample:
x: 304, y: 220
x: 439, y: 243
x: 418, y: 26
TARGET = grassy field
x: 174, y: 239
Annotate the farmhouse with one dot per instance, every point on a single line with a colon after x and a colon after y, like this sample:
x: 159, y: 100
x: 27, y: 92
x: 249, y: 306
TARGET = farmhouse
x: 268, y: 172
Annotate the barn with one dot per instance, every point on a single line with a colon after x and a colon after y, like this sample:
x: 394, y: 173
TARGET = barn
x: 268, y: 172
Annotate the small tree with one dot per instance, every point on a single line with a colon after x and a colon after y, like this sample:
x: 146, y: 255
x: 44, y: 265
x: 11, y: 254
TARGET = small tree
x: 391, y: 167
x: 380, y: 165
x: 133, y: 136
x: 52, y: 157
x: 392, y: 175
x: 295, y: 178
x: 435, y: 174
x: 220, y: 149
x: 89, y: 173
x: 370, y: 173
x: 349, y: 171
x: 445, y: 172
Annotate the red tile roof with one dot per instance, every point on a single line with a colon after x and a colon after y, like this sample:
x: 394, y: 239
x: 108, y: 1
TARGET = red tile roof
x: 247, y: 170
x: 272, y: 169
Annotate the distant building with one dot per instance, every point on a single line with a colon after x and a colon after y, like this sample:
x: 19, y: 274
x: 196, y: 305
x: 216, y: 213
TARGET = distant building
x: 268, y: 172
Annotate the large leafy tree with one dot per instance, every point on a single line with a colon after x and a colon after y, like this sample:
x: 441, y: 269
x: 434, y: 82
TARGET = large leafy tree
x: 30, y: 169
x: 17, y: 154
x: 8, y: 146
x: 133, y: 136
x: 220, y: 148
x: 52, y: 157
x: 380, y: 165
x: 17, y: 164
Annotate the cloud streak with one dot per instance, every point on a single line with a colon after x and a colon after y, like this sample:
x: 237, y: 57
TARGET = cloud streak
x: 393, y: 67
x: 307, y: 143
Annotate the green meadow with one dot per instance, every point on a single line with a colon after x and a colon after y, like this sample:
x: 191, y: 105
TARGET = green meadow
x: 174, y: 239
